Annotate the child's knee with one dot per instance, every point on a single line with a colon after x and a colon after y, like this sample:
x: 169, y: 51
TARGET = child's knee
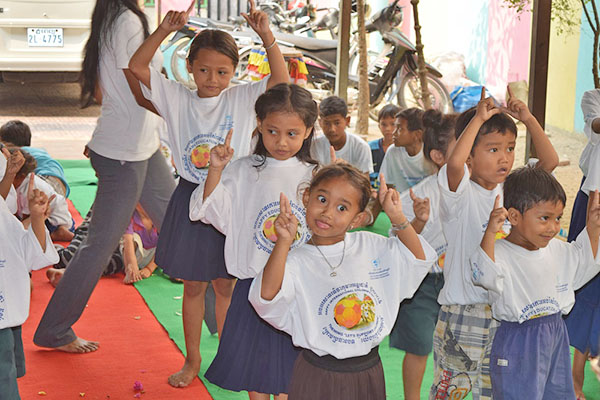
x: 223, y: 287
x: 194, y: 288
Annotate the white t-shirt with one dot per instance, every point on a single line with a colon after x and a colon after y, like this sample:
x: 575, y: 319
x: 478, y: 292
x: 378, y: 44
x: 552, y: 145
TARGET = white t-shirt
x: 465, y: 215
x: 124, y: 131
x: 590, y: 157
x: 195, y: 124
x: 59, y: 209
x: 525, y: 284
x: 432, y: 232
x: 11, y: 198
x: 244, y: 205
x: 348, y: 314
x: 20, y: 252
x: 403, y: 170
x: 355, y: 152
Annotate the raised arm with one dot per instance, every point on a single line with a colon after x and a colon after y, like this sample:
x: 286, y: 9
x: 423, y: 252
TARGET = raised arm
x: 38, y: 211
x: 259, y: 22
x: 391, y: 204
x: 485, y: 110
x: 497, y: 218
x: 421, y: 210
x: 286, y: 226
x: 593, y: 221
x: 14, y: 162
x: 548, y: 158
x: 220, y: 155
x: 139, y: 64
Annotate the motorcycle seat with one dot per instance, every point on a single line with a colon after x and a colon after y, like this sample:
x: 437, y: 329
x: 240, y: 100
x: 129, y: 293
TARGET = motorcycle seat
x: 306, y: 43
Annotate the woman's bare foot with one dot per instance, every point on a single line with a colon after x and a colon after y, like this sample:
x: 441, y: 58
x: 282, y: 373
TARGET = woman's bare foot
x: 62, y: 234
x: 132, y: 274
x: 54, y: 275
x: 79, y: 345
x: 145, y: 272
x: 185, y: 376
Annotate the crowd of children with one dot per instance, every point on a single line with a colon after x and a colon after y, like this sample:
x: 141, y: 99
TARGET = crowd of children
x: 471, y: 268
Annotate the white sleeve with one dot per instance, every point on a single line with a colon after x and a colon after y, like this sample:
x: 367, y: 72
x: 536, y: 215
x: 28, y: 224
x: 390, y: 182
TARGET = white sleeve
x: 586, y: 266
x: 590, y: 106
x: 216, y: 209
x: 126, y: 38
x: 451, y: 201
x: 486, y: 273
x: 248, y: 93
x: 317, y: 150
x: 276, y: 311
x: 413, y: 270
x: 364, y: 158
x: 165, y: 94
x: 35, y: 258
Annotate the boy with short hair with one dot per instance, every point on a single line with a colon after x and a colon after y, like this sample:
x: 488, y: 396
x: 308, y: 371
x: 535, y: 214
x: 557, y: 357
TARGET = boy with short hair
x: 469, y: 184
x: 334, y: 119
x: 404, y: 164
x: 17, y: 133
x: 386, y: 120
x: 20, y: 251
x: 531, y: 279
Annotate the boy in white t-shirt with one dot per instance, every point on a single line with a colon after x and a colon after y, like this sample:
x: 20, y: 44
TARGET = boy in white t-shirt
x: 531, y: 279
x: 21, y: 251
x: 404, y: 164
x: 334, y: 119
x: 469, y: 183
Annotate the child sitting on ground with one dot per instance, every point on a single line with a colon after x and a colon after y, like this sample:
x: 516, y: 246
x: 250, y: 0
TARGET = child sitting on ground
x: 138, y: 246
x: 404, y: 164
x: 21, y: 250
x: 387, y: 125
x: 17, y: 133
x: 59, y: 221
x: 531, y: 278
x: 334, y: 119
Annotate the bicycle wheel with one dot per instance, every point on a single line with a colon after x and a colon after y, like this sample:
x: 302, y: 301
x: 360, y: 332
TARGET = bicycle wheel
x: 179, y: 63
x: 409, y: 94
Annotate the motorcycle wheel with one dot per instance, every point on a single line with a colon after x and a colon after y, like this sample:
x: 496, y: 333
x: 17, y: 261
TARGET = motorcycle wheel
x: 409, y: 94
x: 179, y: 63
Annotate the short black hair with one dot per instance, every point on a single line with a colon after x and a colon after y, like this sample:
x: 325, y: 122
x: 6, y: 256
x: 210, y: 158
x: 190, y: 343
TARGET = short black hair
x: 388, y: 111
x: 29, y: 165
x: 16, y: 133
x: 413, y: 117
x: 500, y: 122
x: 527, y: 186
x: 438, y: 131
x: 333, y: 105
x: 353, y: 176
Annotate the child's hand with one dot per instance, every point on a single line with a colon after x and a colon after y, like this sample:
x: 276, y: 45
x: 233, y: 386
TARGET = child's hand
x: 516, y: 108
x: 497, y: 217
x: 286, y: 224
x: 390, y: 201
x: 14, y: 161
x: 486, y: 108
x: 259, y: 22
x: 420, y: 207
x: 221, y: 154
x: 593, y: 217
x: 39, y: 204
x: 175, y: 20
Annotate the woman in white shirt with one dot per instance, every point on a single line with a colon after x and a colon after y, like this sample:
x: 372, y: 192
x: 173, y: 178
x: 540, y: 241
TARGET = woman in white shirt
x: 124, y: 151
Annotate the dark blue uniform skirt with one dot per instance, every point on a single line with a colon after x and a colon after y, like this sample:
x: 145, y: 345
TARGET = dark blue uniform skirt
x: 252, y: 355
x: 583, y: 322
x: 189, y: 250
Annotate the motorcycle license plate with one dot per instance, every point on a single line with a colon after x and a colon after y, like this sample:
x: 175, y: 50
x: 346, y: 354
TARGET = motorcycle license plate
x: 45, y: 37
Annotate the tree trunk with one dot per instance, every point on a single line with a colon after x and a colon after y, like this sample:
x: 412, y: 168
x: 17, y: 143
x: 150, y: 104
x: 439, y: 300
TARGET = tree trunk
x: 362, y: 124
x: 421, y: 67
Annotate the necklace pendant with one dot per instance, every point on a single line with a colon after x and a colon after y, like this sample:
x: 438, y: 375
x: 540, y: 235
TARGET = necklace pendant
x: 332, y: 274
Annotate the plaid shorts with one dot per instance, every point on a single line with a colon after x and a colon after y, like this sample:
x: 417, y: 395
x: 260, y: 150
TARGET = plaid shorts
x: 462, y: 344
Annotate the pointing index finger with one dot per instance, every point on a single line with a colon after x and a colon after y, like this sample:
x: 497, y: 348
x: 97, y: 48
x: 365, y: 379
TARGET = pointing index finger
x: 190, y: 8
x: 382, y: 184
x: 412, y: 194
x: 228, y: 138
x: 284, y: 204
x: 252, y: 6
x: 510, y: 93
x: 482, y: 93
x: 497, y: 202
x: 30, y: 187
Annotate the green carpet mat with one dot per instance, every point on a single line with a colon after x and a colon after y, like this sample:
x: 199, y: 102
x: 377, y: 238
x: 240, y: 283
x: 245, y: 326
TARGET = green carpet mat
x: 164, y: 298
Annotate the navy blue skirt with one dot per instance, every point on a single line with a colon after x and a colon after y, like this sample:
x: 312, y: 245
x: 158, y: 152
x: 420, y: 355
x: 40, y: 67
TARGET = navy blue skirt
x: 583, y: 322
x: 189, y: 250
x: 252, y: 355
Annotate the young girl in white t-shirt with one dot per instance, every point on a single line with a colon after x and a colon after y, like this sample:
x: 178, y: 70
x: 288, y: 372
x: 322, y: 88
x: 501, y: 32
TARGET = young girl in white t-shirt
x: 241, y: 200
x: 198, y: 120
x: 338, y: 295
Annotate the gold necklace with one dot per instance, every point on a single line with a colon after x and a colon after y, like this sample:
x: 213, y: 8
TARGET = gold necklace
x: 333, y: 273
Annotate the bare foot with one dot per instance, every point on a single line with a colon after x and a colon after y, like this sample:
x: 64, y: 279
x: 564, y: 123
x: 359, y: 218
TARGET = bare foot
x: 54, y: 275
x: 132, y: 274
x: 185, y: 376
x: 145, y: 272
x: 79, y: 345
x: 62, y: 234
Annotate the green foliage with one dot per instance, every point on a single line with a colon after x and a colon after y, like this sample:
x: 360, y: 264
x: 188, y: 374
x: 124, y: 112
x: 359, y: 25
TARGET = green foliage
x: 565, y: 13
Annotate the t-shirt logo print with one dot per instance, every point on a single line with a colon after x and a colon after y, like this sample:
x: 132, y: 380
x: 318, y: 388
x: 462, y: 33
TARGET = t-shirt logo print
x: 265, y: 234
x: 352, y: 313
